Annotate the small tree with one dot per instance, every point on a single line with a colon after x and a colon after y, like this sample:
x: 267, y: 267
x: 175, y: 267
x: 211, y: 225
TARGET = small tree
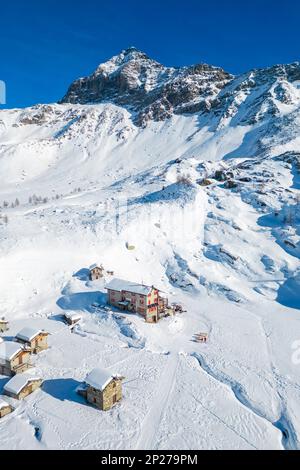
x: 289, y: 217
x: 184, y: 179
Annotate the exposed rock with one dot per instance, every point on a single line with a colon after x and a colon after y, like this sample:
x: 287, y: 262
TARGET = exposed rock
x: 220, y: 175
x: 147, y: 88
x: 231, y: 184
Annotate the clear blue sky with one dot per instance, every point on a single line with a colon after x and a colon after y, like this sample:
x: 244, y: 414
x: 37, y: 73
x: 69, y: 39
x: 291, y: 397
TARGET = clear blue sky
x: 46, y: 44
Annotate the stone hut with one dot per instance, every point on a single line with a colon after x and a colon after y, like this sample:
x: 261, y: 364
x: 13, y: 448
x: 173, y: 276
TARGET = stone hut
x: 96, y: 272
x: 4, y: 325
x: 20, y: 386
x: 102, y: 389
x: 5, y: 408
x: 72, y: 318
x: 34, y: 340
x: 14, y: 358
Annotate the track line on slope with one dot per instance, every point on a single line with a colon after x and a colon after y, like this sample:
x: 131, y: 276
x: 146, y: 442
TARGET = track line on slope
x: 237, y: 391
x: 153, y: 418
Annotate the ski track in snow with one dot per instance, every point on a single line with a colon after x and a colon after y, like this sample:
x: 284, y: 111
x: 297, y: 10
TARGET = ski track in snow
x: 289, y: 439
x: 150, y: 425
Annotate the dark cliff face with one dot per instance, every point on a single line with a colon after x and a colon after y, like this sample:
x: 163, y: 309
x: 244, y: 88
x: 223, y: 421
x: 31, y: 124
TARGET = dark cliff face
x: 148, y: 89
x: 152, y: 92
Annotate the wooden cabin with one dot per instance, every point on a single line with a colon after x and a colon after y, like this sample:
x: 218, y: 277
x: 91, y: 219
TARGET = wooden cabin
x: 34, y: 340
x: 102, y: 389
x: 4, y: 325
x: 20, y: 386
x: 126, y: 295
x: 5, y: 408
x: 14, y: 358
x: 72, y: 318
x: 96, y: 272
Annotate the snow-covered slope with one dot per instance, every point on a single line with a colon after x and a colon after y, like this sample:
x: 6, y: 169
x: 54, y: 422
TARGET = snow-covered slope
x: 199, y: 171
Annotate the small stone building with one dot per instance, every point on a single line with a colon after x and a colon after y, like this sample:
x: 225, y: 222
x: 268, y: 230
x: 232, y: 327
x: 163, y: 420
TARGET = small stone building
x: 20, y: 386
x: 134, y: 297
x: 4, y: 325
x: 33, y: 339
x: 72, y: 318
x: 102, y: 389
x: 14, y: 358
x: 96, y: 272
x: 5, y: 408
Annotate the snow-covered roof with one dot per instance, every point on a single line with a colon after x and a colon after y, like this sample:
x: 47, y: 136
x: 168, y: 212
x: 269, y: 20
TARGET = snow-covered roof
x: 28, y: 334
x: 93, y: 266
x: 99, y: 378
x: 18, y: 382
x: 3, y: 404
x: 73, y: 315
x: 2, y: 320
x: 128, y: 286
x: 8, y: 351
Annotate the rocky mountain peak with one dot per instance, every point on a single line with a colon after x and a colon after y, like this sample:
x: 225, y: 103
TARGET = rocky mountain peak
x: 151, y: 91
x: 148, y: 89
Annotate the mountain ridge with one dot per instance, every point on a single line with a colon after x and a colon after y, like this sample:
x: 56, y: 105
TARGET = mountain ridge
x: 151, y: 91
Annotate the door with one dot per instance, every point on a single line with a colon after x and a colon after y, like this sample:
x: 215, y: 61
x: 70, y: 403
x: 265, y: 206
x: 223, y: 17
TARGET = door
x: 114, y: 399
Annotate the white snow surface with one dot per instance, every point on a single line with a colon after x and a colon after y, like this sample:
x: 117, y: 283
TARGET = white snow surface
x: 88, y: 182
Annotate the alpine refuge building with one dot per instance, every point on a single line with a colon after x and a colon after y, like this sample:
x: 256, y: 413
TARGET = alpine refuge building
x: 101, y: 389
x: 96, y: 272
x: 3, y: 325
x: 33, y: 339
x: 21, y: 386
x: 5, y: 408
x: 145, y: 300
x: 14, y: 359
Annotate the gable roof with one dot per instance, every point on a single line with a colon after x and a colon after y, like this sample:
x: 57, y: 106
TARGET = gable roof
x: 72, y: 315
x: 99, y: 378
x: 128, y: 286
x: 18, y: 382
x: 8, y: 350
x: 3, y: 404
x: 28, y: 334
x: 94, y: 266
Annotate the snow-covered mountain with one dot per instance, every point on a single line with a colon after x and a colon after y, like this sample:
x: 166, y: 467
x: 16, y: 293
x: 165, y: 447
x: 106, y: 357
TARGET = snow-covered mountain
x: 200, y: 172
x: 148, y: 89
